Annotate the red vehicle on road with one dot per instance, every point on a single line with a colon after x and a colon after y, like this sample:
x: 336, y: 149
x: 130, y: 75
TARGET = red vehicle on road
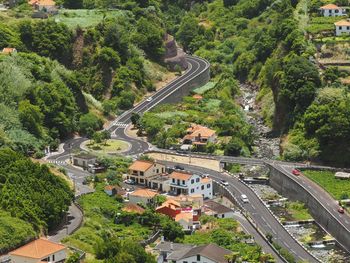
x: 341, y: 210
x: 296, y: 172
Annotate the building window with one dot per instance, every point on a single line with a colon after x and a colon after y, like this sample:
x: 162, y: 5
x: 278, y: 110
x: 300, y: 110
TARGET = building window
x: 157, y: 171
x: 183, y: 181
x: 223, y: 216
x: 142, y: 181
x: 348, y: 27
x: 340, y: 28
x: 141, y: 173
x: 162, y: 169
x: 53, y: 257
x: 192, y: 181
x: 202, y: 187
x: 197, y: 180
x: 192, y: 190
x: 208, y: 185
x: 173, y: 180
x: 198, y: 257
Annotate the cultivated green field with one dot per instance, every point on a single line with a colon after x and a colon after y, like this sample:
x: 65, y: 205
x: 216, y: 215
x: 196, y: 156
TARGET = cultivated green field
x: 85, y: 17
x: 336, y: 187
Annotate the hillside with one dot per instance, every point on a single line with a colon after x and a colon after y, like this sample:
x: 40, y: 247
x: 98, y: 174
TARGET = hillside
x: 33, y: 200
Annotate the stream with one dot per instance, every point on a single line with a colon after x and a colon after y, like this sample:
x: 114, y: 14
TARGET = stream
x: 265, y: 146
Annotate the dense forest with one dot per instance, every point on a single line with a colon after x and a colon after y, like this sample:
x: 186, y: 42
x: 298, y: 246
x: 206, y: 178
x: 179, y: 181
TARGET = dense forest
x: 32, y: 199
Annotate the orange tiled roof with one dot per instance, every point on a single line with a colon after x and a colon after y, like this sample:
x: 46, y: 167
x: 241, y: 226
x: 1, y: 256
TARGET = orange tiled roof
x: 133, y: 208
x: 196, y: 130
x: 330, y: 6
x: 197, y: 96
x: 144, y: 193
x: 185, y: 216
x: 109, y: 187
x: 342, y: 23
x: 141, y: 165
x: 39, y: 248
x: 8, y: 50
x: 180, y: 175
x: 42, y: 2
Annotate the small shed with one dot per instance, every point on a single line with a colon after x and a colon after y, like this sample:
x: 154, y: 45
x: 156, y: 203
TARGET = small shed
x: 84, y: 159
x: 342, y: 175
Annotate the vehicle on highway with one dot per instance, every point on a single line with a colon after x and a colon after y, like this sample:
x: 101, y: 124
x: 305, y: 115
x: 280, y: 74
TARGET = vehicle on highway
x: 296, y: 172
x: 179, y: 167
x: 129, y: 181
x: 341, y: 210
x: 244, y: 198
x: 149, y: 99
x: 223, y: 182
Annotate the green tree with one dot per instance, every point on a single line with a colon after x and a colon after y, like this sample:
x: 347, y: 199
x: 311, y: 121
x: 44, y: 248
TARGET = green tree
x: 31, y: 117
x: 172, y: 230
x: 88, y: 122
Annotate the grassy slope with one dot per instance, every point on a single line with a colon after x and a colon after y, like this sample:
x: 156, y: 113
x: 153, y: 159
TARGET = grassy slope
x: 99, y: 211
x: 326, y: 179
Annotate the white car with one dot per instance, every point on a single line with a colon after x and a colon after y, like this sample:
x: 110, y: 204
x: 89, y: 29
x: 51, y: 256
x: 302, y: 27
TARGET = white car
x: 149, y: 99
x: 244, y: 199
x: 223, y: 182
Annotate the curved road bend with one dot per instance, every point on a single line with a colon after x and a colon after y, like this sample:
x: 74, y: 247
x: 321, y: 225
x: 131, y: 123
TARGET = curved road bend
x: 258, y: 212
x: 325, y: 199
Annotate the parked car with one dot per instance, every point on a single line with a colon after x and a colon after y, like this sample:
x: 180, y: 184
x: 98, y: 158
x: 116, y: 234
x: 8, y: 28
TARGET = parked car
x: 341, y: 210
x: 129, y: 181
x: 296, y: 172
x: 179, y: 167
x: 223, y: 182
x: 244, y: 199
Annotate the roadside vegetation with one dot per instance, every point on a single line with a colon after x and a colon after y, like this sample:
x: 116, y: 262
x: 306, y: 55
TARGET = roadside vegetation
x: 32, y: 199
x: 338, y: 188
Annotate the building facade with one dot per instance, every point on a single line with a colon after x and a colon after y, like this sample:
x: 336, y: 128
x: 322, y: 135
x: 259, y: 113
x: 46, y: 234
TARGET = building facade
x: 187, y: 184
x: 342, y: 27
x: 332, y: 10
x: 140, y: 171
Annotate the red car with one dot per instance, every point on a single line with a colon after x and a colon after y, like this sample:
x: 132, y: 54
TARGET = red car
x: 341, y: 210
x: 296, y: 172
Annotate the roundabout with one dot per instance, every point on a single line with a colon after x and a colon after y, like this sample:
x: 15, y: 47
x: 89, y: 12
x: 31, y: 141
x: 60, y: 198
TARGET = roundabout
x: 111, y: 146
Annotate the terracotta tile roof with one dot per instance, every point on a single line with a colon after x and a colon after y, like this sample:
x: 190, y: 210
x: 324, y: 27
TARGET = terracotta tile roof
x: 199, y: 130
x: 133, y: 208
x: 172, y: 204
x: 42, y: 2
x: 144, y: 193
x: 109, y: 187
x: 197, y: 96
x: 342, y: 23
x: 39, y: 248
x: 180, y: 175
x: 330, y: 6
x: 8, y: 50
x: 184, y: 216
x: 206, y: 180
x: 141, y: 165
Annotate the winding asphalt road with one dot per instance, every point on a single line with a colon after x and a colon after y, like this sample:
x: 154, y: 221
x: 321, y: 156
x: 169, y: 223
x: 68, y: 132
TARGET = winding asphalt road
x: 258, y: 212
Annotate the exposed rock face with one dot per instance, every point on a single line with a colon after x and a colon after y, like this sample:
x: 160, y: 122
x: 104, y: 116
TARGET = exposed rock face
x: 174, y: 56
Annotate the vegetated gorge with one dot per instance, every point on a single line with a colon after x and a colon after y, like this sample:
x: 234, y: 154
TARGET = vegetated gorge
x: 75, y: 70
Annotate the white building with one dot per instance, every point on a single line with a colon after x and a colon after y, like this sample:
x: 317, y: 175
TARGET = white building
x: 342, y: 27
x: 142, y: 196
x: 188, y: 184
x: 84, y: 159
x: 332, y: 10
x: 40, y: 250
x: 215, y: 209
x: 180, y: 253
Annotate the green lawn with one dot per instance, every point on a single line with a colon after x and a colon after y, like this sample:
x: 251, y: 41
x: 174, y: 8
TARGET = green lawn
x: 205, y: 88
x: 326, y: 179
x: 110, y: 146
x: 298, y: 211
x: 85, y: 17
x: 319, y: 24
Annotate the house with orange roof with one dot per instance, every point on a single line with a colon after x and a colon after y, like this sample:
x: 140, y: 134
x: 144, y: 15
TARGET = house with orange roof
x: 169, y: 208
x: 141, y: 170
x: 185, y: 219
x: 48, y: 6
x: 189, y: 184
x: 40, y: 250
x: 143, y: 196
x: 342, y: 27
x: 199, y: 135
x: 197, y: 97
x: 9, y: 50
x: 332, y: 10
x: 133, y: 208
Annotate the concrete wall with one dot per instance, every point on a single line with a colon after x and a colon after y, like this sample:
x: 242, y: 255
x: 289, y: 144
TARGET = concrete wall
x: 290, y: 188
x: 200, y: 80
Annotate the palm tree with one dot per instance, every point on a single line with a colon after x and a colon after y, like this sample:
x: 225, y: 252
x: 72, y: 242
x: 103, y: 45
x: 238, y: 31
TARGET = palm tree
x: 231, y: 258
